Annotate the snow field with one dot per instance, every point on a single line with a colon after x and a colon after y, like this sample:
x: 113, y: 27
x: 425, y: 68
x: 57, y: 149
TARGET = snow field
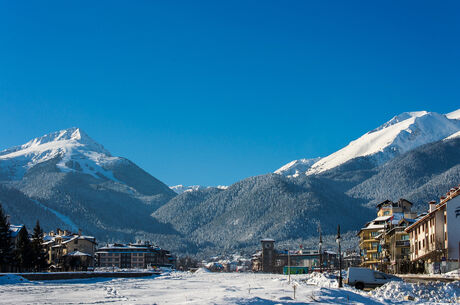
x: 436, y: 292
x: 218, y: 288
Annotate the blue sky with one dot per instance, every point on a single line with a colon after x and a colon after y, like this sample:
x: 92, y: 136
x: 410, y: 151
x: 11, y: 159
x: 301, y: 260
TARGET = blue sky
x: 211, y: 92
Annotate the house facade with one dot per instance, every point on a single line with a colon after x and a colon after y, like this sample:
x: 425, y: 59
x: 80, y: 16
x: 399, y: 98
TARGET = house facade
x: 383, y: 242
x: 435, y: 236
x: 69, y: 251
x: 134, y: 256
x: 395, y: 245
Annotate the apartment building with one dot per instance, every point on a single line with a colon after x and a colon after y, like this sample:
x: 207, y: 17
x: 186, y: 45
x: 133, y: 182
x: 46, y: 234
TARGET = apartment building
x: 69, y: 251
x: 395, y: 244
x: 435, y: 236
x: 383, y: 240
x: 134, y: 256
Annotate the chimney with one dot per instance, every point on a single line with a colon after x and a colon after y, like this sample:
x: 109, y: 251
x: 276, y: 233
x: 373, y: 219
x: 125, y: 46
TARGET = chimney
x: 8, y: 219
x: 432, y: 205
x: 79, y: 232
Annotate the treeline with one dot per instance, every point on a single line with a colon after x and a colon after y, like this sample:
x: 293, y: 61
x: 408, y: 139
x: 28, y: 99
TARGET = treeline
x: 23, y: 253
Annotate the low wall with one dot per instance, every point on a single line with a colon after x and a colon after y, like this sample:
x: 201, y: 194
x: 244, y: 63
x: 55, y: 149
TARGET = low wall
x: 50, y: 276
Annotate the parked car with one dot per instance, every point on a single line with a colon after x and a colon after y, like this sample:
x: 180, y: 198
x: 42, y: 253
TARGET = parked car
x: 362, y: 278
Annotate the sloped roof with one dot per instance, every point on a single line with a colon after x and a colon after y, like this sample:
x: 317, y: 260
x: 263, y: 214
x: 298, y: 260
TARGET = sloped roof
x: 79, y: 237
x: 77, y: 253
x: 15, y: 229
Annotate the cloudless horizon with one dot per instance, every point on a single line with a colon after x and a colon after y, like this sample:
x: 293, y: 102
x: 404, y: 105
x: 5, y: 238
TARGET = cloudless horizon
x: 212, y: 92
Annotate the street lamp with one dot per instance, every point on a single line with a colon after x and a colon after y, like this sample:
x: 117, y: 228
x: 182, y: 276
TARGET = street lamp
x: 288, y: 265
x: 340, y: 257
x: 320, y: 250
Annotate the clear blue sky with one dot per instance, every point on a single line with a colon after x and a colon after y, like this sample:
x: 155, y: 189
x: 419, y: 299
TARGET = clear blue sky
x: 211, y: 92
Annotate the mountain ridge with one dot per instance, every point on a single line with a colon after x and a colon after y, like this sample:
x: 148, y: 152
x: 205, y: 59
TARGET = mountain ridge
x: 402, y: 133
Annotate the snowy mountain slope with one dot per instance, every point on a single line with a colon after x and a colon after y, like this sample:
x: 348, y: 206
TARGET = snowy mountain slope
x: 180, y: 189
x: 454, y: 115
x: 420, y: 175
x: 75, y: 149
x: 453, y: 136
x: 71, y: 181
x: 296, y: 167
x: 401, y: 134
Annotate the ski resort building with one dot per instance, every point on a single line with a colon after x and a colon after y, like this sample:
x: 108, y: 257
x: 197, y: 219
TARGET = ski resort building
x: 383, y: 240
x: 395, y: 245
x: 134, y: 256
x: 435, y: 236
x: 68, y: 251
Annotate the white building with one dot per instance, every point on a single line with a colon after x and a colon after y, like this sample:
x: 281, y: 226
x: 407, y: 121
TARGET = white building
x: 435, y: 236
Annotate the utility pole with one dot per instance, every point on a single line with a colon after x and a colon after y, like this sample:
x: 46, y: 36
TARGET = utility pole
x: 289, y: 267
x: 340, y: 257
x: 320, y: 250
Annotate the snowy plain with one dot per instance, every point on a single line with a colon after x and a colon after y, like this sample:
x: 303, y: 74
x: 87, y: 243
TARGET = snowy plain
x: 218, y: 288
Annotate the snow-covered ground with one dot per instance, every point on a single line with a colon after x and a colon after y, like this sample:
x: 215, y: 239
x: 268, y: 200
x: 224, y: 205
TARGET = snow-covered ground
x: 217, y: 288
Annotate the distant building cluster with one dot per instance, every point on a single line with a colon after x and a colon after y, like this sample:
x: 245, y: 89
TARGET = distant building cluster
x: 67, y: 251
x: 235, y: 263
x: 300, y: 261
x: 400, y: 241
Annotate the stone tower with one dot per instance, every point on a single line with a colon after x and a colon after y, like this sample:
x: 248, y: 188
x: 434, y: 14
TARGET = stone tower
x: 268, y: 255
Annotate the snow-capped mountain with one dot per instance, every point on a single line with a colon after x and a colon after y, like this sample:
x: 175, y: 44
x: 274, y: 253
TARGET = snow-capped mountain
x: 454, y: 115
x: 296, y: 167
x: 402, y: 133
x: 180, y: 189
x: 65, y: 179
x: 75, y: 150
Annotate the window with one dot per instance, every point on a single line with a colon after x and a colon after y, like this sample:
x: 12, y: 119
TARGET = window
x: 379, y: 276
x: 386, y: 213
x: 373, y: 234
x: 405, y: 237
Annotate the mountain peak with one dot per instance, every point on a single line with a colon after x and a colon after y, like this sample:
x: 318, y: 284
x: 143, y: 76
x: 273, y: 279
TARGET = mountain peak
x: 62, y: 139
x: 70, y: 146
x: 400, y: 118
x: 402, y: 133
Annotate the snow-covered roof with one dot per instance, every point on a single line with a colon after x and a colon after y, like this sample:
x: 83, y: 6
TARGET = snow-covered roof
x: 15, y: 229
x: 78, y: 253
x: 382, y: 218
x: 79, y: 237
x: 374, y: 226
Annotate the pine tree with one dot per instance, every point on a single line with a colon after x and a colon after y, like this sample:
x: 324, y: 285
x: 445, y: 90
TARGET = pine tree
x: 6, y: 244
x: 24, y: 254
x: 39, y: 254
